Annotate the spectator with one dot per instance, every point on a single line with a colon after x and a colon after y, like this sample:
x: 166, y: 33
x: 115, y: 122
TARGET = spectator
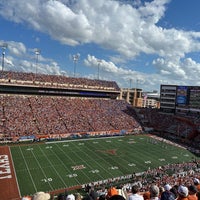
x: 61, y: 197
x: 111, y: 192
x: 117, y: 197
x: 174, y: 190
x: 135, y: 194
x: 182, y: 193
x: 167, y: 194
x: 192, y: 193
x: 92, y: 193
x: 41, y: 196
x: 197, y: 184
x: 78, y: 196
x: 70, y: 197
x: 154, y: 192
x: 146, y: 195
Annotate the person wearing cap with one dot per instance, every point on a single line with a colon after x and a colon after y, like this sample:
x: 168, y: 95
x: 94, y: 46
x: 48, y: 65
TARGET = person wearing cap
x: 182, y: 193
x: 192, y: 193
x: 135, y: 193
x: 167, y: 194
x: 197, y: 185
x: 70, y: 197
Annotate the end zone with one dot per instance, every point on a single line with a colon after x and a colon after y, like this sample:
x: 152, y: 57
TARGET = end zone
x: 8, y: 182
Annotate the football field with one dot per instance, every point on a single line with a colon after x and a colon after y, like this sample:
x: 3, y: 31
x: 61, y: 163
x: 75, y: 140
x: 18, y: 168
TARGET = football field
x: 59, y: 165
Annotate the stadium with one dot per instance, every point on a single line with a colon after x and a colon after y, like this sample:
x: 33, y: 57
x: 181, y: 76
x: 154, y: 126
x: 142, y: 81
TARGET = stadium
x: 60, y: 134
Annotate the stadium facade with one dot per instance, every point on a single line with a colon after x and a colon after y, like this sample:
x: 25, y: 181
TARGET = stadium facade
x: 49, y: 106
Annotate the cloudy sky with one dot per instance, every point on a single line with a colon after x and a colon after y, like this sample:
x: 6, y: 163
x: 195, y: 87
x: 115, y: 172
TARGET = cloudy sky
x: 137, y: 43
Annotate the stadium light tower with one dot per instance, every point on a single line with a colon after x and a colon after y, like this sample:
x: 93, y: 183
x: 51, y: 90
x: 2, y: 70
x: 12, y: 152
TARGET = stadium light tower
x: 130, y: 83
x: 137, y: 81
x: 3, y: 46
x: 37, y: 53
x: 75, y: 60
x: 99, y: 62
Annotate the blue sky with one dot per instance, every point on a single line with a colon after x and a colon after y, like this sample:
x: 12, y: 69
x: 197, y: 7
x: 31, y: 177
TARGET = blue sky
x: 142, y: 43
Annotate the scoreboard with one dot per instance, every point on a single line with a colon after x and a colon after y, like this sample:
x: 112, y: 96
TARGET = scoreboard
x: 182, y: 96
x: 194, y: 97
x: 188, y: 98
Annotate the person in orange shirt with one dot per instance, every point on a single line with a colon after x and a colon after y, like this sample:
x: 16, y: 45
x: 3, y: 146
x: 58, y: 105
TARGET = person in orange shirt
x: 197, y: 185
x: 192, y: 193
x: 111, y: 192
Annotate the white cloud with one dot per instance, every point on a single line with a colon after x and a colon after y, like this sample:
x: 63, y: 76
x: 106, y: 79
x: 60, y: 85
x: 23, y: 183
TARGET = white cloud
x: 123, y: 28
x: 18, y: 58
x: 109, y: 71
x: 129, y: 29
x: 184, y: 71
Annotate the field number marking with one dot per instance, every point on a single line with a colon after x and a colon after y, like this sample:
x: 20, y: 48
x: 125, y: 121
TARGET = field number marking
x: 161, y: 159
x: 78, y: 167
x: 46, y: 180
x: 29, y: 149
x: 131, y: 142
x: 114, y: 167
x: 72, y: 175
x: 131, y: 164
x: 49, y: 147
x: 95, y: 171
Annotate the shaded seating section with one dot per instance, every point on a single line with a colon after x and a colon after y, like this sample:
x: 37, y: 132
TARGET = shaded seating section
x: 27, y: 115
x: 180, y: 128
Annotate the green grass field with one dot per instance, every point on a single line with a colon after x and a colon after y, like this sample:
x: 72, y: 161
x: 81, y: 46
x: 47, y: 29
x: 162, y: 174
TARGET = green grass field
x: 52, y: 166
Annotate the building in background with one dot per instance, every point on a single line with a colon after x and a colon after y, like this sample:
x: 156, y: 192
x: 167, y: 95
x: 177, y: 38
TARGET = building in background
x: 137, y: 98
x: 168, y: 98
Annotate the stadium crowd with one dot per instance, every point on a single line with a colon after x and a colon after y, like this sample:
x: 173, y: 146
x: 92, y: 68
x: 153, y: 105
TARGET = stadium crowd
x: 177, y: 127
x: 25, y: 115
x: 32, y: 115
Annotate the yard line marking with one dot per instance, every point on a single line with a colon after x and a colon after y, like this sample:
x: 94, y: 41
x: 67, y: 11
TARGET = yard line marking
x: 85, y: 161
x: 63, y: 162
x: 130, y: 149
x: 42, y: 169
x: 100, y: 158
x: 119, y: 164
x: 53, y: 166
x: 28, y: 169
x: 14, y: 171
